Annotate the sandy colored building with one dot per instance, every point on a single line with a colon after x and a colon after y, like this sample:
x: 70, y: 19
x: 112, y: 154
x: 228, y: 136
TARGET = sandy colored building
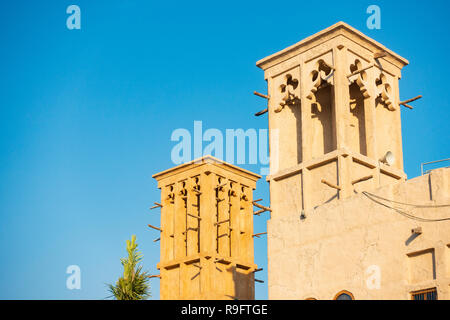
x: 206, y: 231
x: 345, y: 222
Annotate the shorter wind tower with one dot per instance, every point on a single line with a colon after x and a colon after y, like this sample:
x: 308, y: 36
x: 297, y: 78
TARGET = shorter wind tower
x: 206, y: 231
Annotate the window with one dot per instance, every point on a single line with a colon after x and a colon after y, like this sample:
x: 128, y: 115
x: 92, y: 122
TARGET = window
x: 427, y: 294
x: 344, y: 295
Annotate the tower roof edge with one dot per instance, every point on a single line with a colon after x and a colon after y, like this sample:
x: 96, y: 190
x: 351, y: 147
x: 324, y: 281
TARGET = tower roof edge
x: 338, y: 28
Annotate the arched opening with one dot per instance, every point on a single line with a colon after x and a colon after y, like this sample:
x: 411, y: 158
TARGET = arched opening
x: 344, y: 295
x: 321, y: 110
x: 357, y: 126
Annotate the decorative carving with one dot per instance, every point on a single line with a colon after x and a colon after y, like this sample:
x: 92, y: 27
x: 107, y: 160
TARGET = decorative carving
x: 320, y: 77
x: 183, y: 190
x: 360, y: 80
x: 171, y: 195
x: 384, y: 92
x: 288, y: 90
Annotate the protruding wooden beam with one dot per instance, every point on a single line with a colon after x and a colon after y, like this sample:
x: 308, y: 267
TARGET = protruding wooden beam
x: 260, y: 281
x: 258, y: 234
x: 153, y: 227
x: 259, y: 113
x: 157, y: 205
x: 359, y: 71
x: 411, y: 100
x: 257, y: 270
x: 257, y: 213
x: 332, y: 185
x: 261, y: 95
x: 154, y: 276
x: 407, y: 105
x: 156, y: 240
x: 362, y: 179
x: 405, y: 102
x: 261, y: 206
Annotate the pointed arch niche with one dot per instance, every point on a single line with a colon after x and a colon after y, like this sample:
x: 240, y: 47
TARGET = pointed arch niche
x: 356, y: 127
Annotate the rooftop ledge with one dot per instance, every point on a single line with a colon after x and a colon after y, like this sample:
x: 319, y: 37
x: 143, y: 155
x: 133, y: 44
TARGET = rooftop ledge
x: 208, y: 159
x: 332, y: 156
x: 340, y: 28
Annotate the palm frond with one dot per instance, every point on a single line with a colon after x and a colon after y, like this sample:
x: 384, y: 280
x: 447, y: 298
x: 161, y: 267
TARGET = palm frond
x: 134, y: 284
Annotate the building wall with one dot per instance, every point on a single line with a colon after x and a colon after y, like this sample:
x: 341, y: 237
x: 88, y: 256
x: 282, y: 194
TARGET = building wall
x: 341, y: 245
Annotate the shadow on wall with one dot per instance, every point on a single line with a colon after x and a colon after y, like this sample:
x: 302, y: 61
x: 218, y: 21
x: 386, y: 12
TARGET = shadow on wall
x: 244, y: 283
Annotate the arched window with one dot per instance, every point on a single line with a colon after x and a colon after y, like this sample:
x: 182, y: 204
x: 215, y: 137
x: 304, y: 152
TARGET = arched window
x: 344, y: 295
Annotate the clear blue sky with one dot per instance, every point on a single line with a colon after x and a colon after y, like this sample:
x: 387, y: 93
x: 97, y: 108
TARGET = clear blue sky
x: 86, y: 116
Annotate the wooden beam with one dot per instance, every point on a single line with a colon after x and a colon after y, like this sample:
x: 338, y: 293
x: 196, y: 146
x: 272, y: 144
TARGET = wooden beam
x: 257, y: 213
x: 157, y: 205
x: 330, y: 184
x: 259, y: 113
x: 410, y: 100
x: 154, y: 276
x: 261, y: 95
x: 259, y: 234
x: 359, y: 71
x: 407, y: 105
x: 153, y: 227
x: 261, y: 206
x: 362, y: 179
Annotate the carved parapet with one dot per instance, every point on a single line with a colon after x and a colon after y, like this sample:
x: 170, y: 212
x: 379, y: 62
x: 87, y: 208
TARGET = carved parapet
x: 320, y: 76
x: 384, y: 91
x: 288, y: 90
x: 359, y: 77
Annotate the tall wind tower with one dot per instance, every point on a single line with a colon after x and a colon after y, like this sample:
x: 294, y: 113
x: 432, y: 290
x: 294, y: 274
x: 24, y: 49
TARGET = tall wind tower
x: 206, y: 231
x: 334, y: 118
x: 345, y: 223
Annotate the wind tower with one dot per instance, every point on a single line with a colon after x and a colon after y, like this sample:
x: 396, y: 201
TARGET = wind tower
x: 206, y: 231
x: 334, y: 118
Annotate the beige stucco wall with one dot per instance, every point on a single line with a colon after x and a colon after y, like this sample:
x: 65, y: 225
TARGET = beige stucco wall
x: 334, y: 247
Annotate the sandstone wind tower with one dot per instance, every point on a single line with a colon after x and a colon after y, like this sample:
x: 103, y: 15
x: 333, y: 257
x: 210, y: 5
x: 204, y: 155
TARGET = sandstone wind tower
x: 345, y: 223
x: 334, y: 102
x: 206, y: 231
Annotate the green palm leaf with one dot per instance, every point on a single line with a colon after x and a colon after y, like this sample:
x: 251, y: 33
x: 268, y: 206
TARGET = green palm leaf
x: 134, y: 284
